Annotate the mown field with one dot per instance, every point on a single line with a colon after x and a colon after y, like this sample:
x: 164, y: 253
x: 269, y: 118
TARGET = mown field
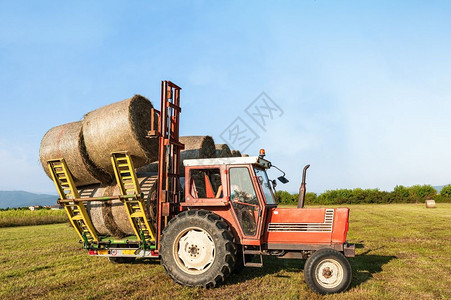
x: 403, y: 252
x: 15, y: 217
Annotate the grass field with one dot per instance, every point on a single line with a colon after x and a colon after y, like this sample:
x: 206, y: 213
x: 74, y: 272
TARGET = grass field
x: 403, y: 251
x: 10, y: 218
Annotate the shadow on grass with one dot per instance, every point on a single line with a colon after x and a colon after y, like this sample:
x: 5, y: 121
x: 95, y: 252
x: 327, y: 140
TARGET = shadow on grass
x: 272, y: 266
x: 364, y: 266
x: 146, y: 261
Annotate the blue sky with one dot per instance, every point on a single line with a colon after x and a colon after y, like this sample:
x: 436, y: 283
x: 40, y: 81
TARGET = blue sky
x: 364, y: 86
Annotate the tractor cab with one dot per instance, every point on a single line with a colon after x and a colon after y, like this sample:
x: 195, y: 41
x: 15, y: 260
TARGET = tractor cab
x: 236, y: 188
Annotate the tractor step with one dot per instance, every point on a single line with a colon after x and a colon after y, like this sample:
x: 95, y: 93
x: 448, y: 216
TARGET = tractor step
x: 254, y: 264
x: 256, y: 252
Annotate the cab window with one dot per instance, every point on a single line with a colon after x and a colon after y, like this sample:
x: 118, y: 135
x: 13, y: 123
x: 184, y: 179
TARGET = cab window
x: 266, y: 185
x: 206, y: 183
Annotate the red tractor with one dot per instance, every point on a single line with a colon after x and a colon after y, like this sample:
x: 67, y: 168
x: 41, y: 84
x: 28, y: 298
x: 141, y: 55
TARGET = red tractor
x: 224, y: 218
x: 230, y: 218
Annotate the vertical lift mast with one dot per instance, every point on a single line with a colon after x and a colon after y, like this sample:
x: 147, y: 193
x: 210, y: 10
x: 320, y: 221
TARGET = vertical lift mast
x: 169, y: 189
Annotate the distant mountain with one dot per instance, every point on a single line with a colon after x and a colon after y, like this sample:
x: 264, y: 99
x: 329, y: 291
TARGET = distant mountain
x: 20, y: 198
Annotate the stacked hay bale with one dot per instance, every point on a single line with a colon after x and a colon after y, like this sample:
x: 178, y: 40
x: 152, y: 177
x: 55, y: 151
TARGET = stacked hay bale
x: 236, y: 153
x: 86, y: 147
x: 67, y: 141
x: 196, y: 147
x: 121, y: 126
x: 223, y: 150
x: 110, y: 217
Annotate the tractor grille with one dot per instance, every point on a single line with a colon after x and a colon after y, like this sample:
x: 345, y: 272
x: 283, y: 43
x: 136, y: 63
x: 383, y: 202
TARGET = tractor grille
x: 305, y: 227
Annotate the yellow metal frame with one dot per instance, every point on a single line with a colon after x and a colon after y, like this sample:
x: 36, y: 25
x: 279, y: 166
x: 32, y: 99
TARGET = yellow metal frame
x: 67, y: 190
x: 133, y: 201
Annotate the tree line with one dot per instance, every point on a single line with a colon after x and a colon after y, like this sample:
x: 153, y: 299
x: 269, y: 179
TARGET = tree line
x: 39, y: 207
x: 400, y: 194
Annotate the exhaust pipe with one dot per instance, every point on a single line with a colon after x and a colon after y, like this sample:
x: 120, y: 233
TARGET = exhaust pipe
x: 302, y: 188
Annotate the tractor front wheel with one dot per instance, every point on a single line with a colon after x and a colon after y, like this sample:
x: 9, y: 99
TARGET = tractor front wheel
x: 327, y: 271
x: 198, y: 249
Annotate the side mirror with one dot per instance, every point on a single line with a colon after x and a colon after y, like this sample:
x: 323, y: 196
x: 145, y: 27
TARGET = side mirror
x: 283, y: 179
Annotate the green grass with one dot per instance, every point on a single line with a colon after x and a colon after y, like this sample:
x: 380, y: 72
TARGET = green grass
x: 10, y: 218
x: 403, y: 251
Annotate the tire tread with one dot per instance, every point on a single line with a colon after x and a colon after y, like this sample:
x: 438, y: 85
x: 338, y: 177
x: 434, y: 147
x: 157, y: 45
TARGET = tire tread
x: 229, y: 259
x: 311, y: 263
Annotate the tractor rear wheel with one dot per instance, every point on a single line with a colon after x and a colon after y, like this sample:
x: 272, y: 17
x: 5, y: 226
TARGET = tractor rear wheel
x: 327, y: 271
x: 198, y: 249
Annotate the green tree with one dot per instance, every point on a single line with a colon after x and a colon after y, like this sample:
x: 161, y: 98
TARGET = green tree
x: 310, y: 197
x: 284, y: 197
x: 419, y: 193
x: 400, y: 194
x: 446, y: 191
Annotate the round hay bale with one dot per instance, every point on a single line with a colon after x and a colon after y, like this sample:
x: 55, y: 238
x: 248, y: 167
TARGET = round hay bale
x: 430, y: 203
x: 196, y: 147
x: 120, y: 126
x: 95, y: 208
x: 110, y: 217
x: 236, y: 153
x: 222, y: 150
x: 66, y: 141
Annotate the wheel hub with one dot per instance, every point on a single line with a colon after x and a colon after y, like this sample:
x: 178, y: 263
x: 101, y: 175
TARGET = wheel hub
x: 329, y: 273
x: 195, y: 251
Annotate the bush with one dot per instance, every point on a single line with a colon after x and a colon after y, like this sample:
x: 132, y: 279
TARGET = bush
x: 285, y: 198
x: 400, y: 194
x: 347, y: 196
x: 335, y: 197
x: 310, y: 197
